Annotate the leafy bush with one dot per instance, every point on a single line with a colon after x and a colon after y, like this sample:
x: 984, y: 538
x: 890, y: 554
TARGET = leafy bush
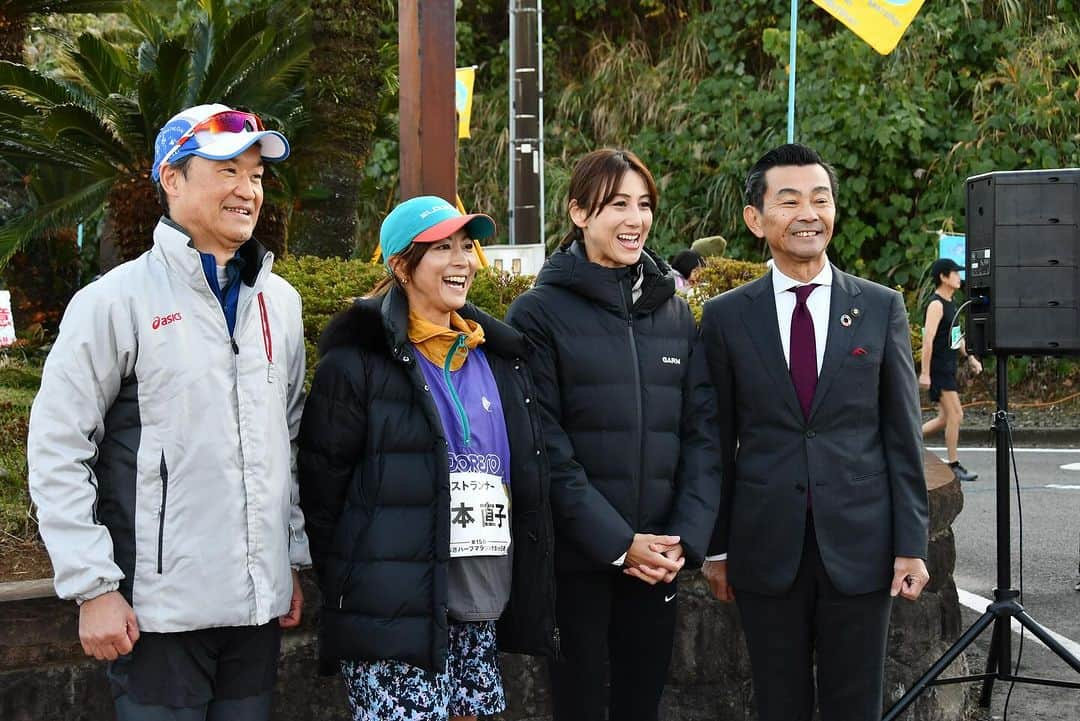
x: 719, y: 275
x: 20, y: 377
x: 326, y: 286
x: 493, y: 291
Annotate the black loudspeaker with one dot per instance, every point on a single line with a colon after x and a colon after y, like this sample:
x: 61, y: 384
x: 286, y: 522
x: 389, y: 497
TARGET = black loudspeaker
x: 1023, y: 262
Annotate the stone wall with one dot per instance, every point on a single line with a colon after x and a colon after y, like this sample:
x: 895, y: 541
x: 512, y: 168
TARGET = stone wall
x: 44, y: 676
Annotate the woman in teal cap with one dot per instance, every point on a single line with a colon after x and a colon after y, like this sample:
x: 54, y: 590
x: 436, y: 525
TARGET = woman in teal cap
x: 423, y: 479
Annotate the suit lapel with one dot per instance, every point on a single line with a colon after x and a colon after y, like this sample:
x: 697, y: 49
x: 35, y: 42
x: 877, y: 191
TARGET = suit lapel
x: 760, y: 321
x: 842, y: 301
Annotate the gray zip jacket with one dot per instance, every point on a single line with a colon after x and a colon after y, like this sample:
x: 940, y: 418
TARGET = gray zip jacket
x: 161, y: 451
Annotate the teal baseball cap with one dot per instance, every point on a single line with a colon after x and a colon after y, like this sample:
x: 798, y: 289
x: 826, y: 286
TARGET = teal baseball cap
x: 426, y: 219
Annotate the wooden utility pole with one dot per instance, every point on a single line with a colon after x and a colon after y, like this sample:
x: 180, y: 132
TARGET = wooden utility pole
x: 427, y: 110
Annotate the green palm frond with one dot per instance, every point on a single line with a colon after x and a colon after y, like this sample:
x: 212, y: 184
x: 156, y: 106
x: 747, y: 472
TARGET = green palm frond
x: 32, y: 87
x: 217, y: 20
x: 12, y: 112
x: 162, y: 89
x: 146, y: 22
x: 274, y: 83
x: 100, y: 67
x: 79, y: 127
x: 130, y: 124
x: 234, y: 53
x: 63, y: 211
x: 201, y: 42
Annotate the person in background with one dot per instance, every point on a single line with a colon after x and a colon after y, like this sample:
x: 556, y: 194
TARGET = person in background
x: 161, y: 445
x: 628, y: 421
x: 425, y: 482
x: 685, y: 263
x: 938, y: 374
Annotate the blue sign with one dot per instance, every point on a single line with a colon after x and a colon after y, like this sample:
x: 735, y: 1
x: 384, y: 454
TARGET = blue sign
x: 954, y: 246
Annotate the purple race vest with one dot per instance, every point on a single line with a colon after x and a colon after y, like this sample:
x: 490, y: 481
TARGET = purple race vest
x: 479, y: 464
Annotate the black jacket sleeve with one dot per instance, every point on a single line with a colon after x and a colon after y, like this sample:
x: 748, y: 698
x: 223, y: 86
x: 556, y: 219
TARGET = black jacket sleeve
x: 723, y: 386
x: 332, y: 433
x: 698, y: 477
x: 579, y: 510
x: 901, y: 435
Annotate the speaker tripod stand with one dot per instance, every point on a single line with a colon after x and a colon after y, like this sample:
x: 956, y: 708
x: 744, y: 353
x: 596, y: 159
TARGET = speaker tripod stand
x: 1006, y: 605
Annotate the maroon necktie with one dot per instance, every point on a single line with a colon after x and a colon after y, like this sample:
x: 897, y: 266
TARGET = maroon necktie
x: 803, y: 349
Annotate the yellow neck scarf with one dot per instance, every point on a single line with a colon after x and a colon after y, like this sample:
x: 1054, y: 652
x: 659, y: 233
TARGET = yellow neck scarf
x: 434, y: 341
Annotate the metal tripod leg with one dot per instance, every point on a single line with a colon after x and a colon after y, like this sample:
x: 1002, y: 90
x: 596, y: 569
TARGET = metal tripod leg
x: 1043, y: 635
x: 940, y: 665
x: 991, y: 665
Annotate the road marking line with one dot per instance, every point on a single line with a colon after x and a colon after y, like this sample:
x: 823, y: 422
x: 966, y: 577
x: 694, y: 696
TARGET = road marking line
x: 977, y: 603
x: 939, y: 449
x: 1062, y: 487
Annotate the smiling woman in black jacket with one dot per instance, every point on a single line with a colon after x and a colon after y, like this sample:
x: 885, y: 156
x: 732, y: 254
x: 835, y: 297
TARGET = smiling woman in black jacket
x: 420, y: 442
x: 628, y: 425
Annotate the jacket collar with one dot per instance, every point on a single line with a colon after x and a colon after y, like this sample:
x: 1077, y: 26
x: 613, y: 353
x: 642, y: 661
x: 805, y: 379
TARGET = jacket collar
x: 608, y: 287
x: 381, y: 324
x: 174, y: 245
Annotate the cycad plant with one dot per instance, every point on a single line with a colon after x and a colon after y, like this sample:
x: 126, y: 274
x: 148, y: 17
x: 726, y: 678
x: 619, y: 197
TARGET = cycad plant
x: 84, y: 137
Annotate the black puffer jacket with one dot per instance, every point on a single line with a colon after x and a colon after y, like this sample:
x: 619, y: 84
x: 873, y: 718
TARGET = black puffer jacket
x: 374, y: 488
x: 628, y: 410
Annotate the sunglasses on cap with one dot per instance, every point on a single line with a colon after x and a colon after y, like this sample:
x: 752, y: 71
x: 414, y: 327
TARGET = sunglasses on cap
x: 228, y: 121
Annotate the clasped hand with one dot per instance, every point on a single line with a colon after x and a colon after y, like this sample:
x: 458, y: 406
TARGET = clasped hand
x: 654, y: 559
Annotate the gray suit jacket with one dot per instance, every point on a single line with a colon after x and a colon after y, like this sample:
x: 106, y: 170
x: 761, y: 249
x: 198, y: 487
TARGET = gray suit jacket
x: 860, y: 451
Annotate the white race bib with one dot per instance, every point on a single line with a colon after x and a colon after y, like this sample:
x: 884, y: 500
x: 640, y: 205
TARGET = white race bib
x: 479, y: 515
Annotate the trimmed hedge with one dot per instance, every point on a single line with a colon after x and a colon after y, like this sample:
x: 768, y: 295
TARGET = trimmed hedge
x: 719, y: 275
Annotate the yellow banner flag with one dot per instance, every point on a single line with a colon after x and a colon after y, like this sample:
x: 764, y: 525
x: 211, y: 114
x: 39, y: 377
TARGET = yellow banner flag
x: 879, y: 22
x: 465, y: 77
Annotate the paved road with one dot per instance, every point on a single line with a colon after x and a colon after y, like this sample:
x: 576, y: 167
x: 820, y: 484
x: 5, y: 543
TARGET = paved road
x: 1050, y: 500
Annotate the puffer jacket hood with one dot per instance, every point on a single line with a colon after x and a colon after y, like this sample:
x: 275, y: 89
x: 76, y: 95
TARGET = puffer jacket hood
x: 570, y: 268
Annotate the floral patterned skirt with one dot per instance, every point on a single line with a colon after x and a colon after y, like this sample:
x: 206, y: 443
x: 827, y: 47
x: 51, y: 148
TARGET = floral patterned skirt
x: 397, y: 691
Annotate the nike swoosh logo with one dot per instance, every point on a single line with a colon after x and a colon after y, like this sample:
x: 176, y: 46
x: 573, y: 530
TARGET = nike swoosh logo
x: 667, y: 599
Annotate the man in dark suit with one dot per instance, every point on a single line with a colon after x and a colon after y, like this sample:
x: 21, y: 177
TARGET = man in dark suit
x: 824, y: 512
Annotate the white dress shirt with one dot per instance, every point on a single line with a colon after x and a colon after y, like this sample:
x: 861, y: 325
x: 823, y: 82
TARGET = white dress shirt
x: 818, y: 303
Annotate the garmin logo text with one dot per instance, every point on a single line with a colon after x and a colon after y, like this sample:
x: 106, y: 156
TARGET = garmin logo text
x: 672, y: 361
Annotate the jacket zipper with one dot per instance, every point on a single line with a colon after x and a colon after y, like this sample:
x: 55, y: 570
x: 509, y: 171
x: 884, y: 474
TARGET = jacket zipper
x: 640, y: 414
x: 161, y: 512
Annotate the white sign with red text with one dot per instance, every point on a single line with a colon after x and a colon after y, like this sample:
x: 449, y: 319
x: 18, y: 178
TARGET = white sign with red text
x: 7, y: 322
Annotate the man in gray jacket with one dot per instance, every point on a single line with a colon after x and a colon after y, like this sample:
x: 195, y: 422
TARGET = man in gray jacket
x: 161, y: 446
